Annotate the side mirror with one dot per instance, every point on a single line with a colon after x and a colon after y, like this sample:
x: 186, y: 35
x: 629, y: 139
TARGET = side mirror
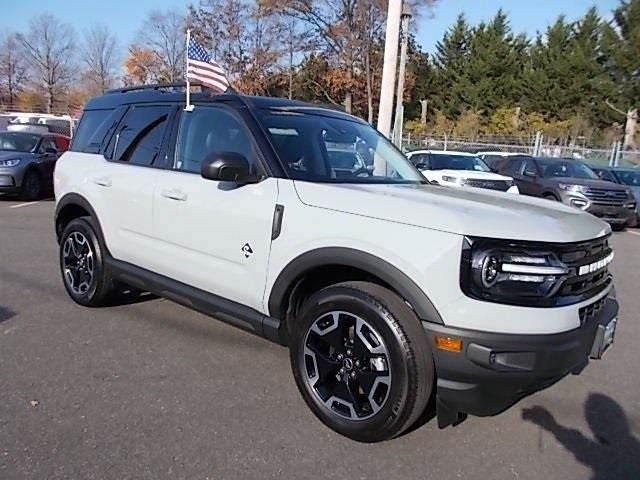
x: 226, y: 167
x: 50, y: 151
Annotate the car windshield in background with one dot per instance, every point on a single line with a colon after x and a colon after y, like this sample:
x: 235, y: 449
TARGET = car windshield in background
x: 457, y: 162
x: 629, y: 178
x: 323, y: 148
x: 18, y: 141
x: 565, y: 168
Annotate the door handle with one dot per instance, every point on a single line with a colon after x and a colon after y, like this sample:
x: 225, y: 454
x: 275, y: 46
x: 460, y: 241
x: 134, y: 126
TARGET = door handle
x: 174, y: 195
x: 102, y: 181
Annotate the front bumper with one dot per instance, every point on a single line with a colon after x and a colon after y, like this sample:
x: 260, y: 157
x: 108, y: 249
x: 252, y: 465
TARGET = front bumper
x: 493, y: 371
x: 11, y: 179
x: 612, y: 214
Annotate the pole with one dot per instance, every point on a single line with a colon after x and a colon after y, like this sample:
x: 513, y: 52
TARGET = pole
x: 399, y: 117
x: 389, y: 68
x: 188, y: 107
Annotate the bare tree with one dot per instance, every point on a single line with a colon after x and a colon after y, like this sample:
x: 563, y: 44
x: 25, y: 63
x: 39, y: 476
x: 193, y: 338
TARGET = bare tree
x: 48, y: 45
x: 99, y: 56
x: 164, y: 33
x: 12, y: 67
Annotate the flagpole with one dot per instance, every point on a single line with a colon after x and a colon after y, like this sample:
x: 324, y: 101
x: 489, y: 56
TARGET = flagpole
x: 188, y: 107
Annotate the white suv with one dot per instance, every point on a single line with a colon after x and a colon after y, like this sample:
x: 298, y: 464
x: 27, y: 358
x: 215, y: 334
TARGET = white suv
x: 459, y: 169
x: 388, y: 290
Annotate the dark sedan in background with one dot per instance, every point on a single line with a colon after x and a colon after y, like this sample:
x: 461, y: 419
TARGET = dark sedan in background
x: 574, y: 183
x: 27, y: 161
x: 629, y: 177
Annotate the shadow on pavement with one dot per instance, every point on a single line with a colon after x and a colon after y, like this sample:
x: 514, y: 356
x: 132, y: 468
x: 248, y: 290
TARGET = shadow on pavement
x: 126, y: 295
x: 612, y: 453
x: 6, y: 313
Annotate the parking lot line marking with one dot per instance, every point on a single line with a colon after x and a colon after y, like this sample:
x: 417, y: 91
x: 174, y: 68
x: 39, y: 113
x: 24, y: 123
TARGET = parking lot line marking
x: 20, y: 205
x: 633, y: 233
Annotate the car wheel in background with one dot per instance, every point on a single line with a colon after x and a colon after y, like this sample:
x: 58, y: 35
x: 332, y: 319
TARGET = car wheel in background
x: 31, y: 186
x: 86, y: 278
x: 361, y: 361
x: 550, y: 196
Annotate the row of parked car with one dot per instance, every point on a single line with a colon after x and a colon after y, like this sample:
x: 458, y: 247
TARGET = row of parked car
x: 612, y: 194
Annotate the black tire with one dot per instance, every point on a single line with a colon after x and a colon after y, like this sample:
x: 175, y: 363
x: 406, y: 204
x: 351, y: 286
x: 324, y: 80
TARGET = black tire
x: 550, y: 196
x: 99, y: 289
x: 410, y: 367
x: 618, y: 227
x: 32, y: 187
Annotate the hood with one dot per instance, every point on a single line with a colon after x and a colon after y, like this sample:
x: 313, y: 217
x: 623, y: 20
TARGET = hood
x: 6, y: 155
x: 481, y: 213
x: 466, y: 174
x: 587, y: 182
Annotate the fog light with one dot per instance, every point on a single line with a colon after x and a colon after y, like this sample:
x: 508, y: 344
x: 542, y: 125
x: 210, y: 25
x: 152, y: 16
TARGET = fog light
x: 449, y: 344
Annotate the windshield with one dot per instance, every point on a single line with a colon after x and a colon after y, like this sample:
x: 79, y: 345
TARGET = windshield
x: 629, y: 178
x: 323, y: 148
x: 457, y: 162
x: 18, y: 142
x: 565, y: 168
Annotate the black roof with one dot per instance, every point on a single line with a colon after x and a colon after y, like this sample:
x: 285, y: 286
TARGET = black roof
x: 174, y: 93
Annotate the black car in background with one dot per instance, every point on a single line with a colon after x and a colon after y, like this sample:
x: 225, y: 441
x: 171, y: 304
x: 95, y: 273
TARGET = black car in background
x: 574, y: 183
x: 629, y: 177
x: 27, y: 161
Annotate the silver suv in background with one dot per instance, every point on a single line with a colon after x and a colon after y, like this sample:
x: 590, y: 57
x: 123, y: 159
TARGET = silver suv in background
x: 573, y: 183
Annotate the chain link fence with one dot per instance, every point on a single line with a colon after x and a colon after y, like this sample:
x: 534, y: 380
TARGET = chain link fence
x: 529, y: 145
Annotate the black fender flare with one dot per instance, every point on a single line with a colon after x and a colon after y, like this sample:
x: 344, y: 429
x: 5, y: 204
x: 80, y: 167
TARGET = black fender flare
x: 79, y: 200
x: 349, y: 257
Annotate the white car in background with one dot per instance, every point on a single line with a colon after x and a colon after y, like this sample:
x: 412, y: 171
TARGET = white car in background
x: 459, y: 169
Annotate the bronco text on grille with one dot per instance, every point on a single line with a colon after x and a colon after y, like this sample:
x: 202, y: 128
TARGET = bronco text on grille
x: 501, y: 185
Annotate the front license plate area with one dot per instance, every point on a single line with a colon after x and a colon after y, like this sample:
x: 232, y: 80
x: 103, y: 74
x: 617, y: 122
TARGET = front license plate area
x: 605, y: 336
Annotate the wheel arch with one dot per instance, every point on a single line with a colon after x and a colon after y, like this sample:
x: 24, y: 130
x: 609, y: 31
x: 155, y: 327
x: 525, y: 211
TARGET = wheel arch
x: 331, y: 265
x: 70, y: 207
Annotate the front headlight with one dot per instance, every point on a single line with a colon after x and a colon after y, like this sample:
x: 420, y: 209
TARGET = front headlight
x: 9, y: 163
x: 506, y: 273
x: 571, y: 188
x: 447, y: 178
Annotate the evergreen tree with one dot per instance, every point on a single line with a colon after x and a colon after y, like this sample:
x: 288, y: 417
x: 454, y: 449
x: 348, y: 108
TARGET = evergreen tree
x: 451, y: 63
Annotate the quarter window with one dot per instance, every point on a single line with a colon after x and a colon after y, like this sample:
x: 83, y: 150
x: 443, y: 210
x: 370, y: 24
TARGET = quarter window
x: 209, y: 130
x: 91, y: 131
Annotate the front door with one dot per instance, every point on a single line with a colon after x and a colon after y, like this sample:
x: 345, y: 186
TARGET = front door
x: 213, y: 235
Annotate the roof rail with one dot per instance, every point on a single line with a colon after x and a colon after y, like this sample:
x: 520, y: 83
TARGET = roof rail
x: 155, y: 86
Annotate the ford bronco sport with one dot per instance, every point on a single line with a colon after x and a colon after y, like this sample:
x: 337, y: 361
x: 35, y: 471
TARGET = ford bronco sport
x: 388, y: 291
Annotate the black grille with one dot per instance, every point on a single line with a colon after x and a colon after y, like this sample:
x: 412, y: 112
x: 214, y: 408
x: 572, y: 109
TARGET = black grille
x: 588, y: 313
x: 576, y: 255
x: 501, y: 185
x: 606, y: 197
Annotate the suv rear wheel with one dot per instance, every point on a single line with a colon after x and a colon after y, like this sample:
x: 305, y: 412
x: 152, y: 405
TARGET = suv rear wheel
x: 361, y: 360
x: 86, y: 278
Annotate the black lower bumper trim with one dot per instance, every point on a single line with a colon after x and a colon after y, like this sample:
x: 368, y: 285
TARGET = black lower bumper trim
x: 494, y: 371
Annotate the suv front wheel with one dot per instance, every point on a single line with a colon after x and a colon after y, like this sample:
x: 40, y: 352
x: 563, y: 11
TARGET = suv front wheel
x: 86, y: 277
x: 361, y: 360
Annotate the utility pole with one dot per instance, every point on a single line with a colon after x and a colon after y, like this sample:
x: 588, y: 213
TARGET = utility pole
x: 423, y: 113
x: 389, y: 68
x: 399, y: 117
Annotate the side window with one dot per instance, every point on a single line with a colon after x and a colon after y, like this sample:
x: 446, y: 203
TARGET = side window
x: 511, y: 167
x: 91, y: 130
x: 47, y: 143
x: 208, y: 130
x: 529, y: 168
x: 139, y: 138
x: 421, y: 160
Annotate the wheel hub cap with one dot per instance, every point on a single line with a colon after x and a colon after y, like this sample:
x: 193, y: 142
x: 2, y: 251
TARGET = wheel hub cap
x: 77, y: 263
x: 347, y: 365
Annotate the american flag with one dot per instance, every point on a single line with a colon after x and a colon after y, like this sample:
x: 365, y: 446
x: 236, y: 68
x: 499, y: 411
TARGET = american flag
x: 202, y: 68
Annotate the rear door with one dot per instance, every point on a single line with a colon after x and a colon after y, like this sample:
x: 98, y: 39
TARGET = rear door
x: 128, y: 178
x: 213, y: 235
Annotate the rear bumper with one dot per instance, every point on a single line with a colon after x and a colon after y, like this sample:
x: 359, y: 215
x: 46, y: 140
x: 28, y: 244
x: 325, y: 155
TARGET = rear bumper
x: 494, y: 371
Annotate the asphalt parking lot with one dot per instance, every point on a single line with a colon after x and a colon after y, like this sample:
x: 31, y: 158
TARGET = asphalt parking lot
x: 153, y: 390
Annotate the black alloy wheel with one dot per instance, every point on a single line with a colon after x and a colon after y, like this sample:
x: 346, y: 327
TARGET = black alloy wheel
x: 361, y: 361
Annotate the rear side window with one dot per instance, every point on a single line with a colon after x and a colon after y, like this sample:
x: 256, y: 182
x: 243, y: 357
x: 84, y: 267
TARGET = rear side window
x: 511, y: 167
x: 140, y: 137
x: 91, y: 131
